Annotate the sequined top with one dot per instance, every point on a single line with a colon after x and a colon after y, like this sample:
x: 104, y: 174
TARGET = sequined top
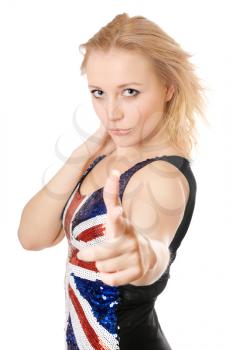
x: 103, y: 317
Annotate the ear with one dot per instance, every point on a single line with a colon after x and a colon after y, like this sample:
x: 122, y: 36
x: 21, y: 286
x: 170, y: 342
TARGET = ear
x: 169, y: 92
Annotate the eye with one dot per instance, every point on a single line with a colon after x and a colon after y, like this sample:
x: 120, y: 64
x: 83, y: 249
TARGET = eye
x: 93, y: 91
x: 129, y: 89
x: 137, y: 92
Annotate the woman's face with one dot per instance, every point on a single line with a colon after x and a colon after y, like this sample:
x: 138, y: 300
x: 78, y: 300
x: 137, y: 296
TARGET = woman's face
x: 138, y: 105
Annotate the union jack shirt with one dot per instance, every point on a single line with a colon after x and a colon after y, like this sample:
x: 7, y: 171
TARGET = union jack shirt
x: 103, y: 317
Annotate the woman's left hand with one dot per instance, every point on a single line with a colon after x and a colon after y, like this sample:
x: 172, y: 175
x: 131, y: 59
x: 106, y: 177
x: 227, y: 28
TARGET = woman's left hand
x: 125, y: 255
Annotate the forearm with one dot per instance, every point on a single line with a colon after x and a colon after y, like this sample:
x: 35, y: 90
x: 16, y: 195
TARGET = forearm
x: 40, y: 219
x: 160, y: 257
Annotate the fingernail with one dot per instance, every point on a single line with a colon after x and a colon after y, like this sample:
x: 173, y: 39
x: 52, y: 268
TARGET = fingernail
x: 116, y: 173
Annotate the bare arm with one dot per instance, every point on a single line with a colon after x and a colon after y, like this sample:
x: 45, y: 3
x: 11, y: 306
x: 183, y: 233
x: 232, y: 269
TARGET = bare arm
x: 156, y: 212
x: 40, y: 224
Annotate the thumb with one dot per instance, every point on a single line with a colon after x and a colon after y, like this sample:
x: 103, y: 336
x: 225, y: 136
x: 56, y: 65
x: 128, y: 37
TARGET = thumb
x: 113, y: 205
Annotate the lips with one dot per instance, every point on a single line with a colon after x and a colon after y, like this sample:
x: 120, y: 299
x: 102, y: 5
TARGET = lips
x: 120, y: 132
x: 119, y: 129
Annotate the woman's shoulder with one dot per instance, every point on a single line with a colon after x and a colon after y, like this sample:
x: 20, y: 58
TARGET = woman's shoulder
x: 158, y: 173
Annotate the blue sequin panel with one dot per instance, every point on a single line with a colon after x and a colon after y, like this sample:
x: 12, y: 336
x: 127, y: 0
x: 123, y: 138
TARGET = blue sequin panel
x: 103, y: 300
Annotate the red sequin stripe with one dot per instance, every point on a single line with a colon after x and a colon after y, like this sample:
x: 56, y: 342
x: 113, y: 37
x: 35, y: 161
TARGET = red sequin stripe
x: 77, y: 199
x: 87, y: 328
x: 91, y: 233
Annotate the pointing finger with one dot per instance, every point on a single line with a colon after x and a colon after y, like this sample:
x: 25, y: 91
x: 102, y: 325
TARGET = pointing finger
x: 111, y: 190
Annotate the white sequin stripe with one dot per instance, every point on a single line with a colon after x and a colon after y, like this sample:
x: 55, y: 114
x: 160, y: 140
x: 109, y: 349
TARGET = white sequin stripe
x: 80, y: 336
x: 82, y: 272
x: 81, y: 244
x: 87, y: 224
x: 109, y: 339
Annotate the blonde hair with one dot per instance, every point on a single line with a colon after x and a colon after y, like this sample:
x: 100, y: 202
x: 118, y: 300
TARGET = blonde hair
x: 171, y: 64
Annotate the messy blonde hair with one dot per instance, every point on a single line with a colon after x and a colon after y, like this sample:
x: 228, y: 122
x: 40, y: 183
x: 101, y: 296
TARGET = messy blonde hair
x: 172, y: 65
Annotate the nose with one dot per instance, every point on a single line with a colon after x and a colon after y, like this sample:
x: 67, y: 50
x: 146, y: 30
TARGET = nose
x: 114, y: 110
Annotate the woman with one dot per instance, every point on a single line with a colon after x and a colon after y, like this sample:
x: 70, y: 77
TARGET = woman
x: 123, y: 227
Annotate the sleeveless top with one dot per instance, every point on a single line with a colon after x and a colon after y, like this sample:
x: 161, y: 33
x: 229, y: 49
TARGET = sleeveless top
x: 100, y: 316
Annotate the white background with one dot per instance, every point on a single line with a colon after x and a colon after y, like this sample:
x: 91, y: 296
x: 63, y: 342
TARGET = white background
x: 41, y: 88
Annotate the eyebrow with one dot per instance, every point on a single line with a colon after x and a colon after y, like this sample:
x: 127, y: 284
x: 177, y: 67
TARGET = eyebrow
x: 119, y: 86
